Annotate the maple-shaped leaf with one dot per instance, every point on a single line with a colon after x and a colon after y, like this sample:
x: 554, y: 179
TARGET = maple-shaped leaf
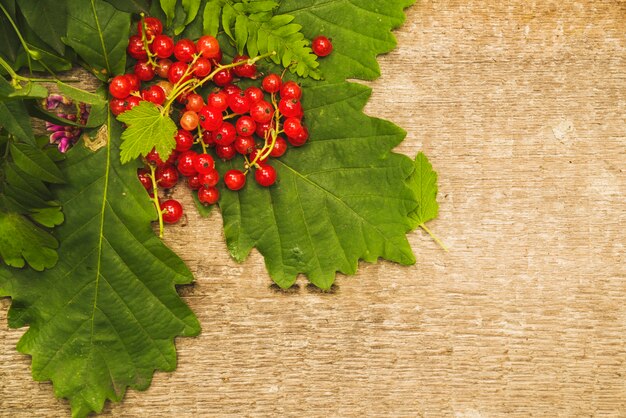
x: 340, y: 198
x: 360, y: 30
x: 105, y: 317
x: 147, y: 128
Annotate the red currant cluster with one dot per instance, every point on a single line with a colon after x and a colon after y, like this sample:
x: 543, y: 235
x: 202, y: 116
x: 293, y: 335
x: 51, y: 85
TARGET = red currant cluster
x: 252, y: 122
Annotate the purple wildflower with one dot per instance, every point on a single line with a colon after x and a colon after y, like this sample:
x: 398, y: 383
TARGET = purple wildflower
x: 65, y: 136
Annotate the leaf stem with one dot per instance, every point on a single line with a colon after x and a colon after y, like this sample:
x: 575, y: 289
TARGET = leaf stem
x: 146, y: 42
x: 434, y: 237
x: 155, y: 199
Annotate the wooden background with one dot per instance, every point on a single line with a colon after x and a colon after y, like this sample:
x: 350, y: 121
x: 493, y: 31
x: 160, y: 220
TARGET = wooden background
x: 521, y: 107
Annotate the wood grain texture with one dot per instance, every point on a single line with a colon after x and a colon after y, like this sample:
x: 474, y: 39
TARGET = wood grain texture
x: 521, y: 106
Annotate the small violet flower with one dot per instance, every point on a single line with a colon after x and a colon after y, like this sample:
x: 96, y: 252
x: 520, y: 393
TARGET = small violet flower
x: 65, y: 136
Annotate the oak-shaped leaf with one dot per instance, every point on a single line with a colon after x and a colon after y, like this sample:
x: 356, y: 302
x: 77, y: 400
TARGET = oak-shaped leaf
x: 104, y: 318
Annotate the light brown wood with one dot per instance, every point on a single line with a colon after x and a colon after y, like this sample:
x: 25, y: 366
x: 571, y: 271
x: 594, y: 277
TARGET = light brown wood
x: 521, y: 107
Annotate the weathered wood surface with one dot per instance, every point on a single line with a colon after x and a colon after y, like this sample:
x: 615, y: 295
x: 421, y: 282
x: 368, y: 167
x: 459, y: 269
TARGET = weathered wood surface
x: 521, y: 107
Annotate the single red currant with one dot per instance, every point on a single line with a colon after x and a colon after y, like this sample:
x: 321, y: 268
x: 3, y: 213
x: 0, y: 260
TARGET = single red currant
x: 184, y: 140
x: 265, y: 175
x: 166, y: 176
x: 194, y: 102
x: 202, y: 67
x: 189, y: 120
x: 300, y: 139
x: 223, y: 77
x: 279, y: 148
x: 132, y: 101
x: 166, y: 86
x: 210, y: 178
x: 244, y: 70
x: 144, y: 177
x: 234, y: 179
x: 218, y: 100
x: 208, y: 195
x: 272, y: 83
x: 245, y: 126
x: 244, y: 144
x: 207, y: 138
x: 210, y: 118
x: 153, y: 158
x: 144, y: 71
x: 135, y: 48
x: 225, y: 134
x: 194, y: 182
x: 184, y: 50
x: 290, y: 108
x: 290, y: 90
x: 162, y: 46
x: 186, y: 162
x: 134, y: 81
x: 239, y: 103
x: 263, y: 129
x: 209, y: 47
x: 255, y: 157
x: 172, y: 211
x: 154, y: 94
x: 203, y: 163
x: 262, y: 112
x: 254, y: 94
x: 292, y: 127
x: 118, y: 106
x: 163, y: 67
x: 225, y: 152
x: 322, y: 46
x: 177, y: 72
x: 153, y: 27
x: 120, y: 87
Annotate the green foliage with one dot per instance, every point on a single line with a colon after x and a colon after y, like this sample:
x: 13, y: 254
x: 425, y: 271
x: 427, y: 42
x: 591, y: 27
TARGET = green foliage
x: 339, y: 199
x: 22, y: 242
x: 15, y: 119
x: 131, y: 6
x: 423, y: 182
x: 147, y: 128
x: 48, y: 19
x: 110, y: 311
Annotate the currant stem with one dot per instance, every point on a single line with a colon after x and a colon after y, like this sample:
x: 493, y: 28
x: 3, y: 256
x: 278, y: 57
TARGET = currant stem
x: 201, y: 140
x: 434, y: 237
x: 155, y: 199
x: 146, y: 43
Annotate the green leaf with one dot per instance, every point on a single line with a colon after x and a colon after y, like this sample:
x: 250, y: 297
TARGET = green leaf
x: 98, y: 32
x: 22, y: 242
x: 423, y: 182
x: 81, y: 95
x: 48, y: 19
x: 131, y: 6
x: 28, y: 91
x: 340, y: 198
x: 9, y: 42
x: 49, y: 217
x: 15, y: 119
x: 35, y: 162
x: 191, y: 7
x: 147, y: 129
x: 211, y: 17
x: 359, y: 31
x: 169, y: 8
x: 105, y: 317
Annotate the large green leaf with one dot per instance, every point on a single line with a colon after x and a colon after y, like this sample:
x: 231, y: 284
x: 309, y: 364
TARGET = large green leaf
x: 105, y: 317
x: 340, y: 198
x: 15, y: 119
x: 360, y: 30
x: 48, y: 19
x: 98, y: 32
x: 22, y: 242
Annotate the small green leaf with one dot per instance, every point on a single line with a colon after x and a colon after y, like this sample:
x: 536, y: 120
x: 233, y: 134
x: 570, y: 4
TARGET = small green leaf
x: 35, y: 162
x: 98, y: 32
x: 15, y: 119
x: 191, y: 7
x: 169, y: 8
x: 211, y: 17
x: 28, y: 91
x: 80, y: 95
x: 48, y: 217
x: 22, y: 242
x: 241, y: 32
x: 48, y: 19
x: 147, y: 129
x: 423, y: 182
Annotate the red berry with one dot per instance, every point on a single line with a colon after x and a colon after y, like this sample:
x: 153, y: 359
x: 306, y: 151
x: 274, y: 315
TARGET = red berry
x: 208, y: 195
x: 189, y: 120
x: 163, y: 67
x: 120, y: 87
x: 272, y: 83
x: 239, y: 103
x: 262, y: 111
x: 225, y: 134
x: 154, y: 158
x: 209, y: 47
x: 166, y: 176
x: 202, y: 67
x: 172, y: 211
x: 134, y: 81
x: 153, y: 27
x: 234, y: 179
x: 118, y: 106
x: 144, y: 178
x: 322, y: 46
x: 244, y: 144
x: 194, y: 102
x: 218, y: 100
x: 254, y: 94
x: 300, y: 139
x: 225, y: 152
x: 207, y: 138
x: 290, y: 90
x: 186, y: 162
x: 290, y: 108
x: 245, y: 126
x: 184, y: 50
x: 210, y: 178
x: 135, y: 48
x: 184, y: 140
x: 176, y: 72
x: 203, y: 163
x: 132, y: 101
x: 263, y: 129
x: 279, y: 148
x: 144, y: 71
x: 255, y: 157
x: 265, y: 175
x: 210, y: 118
x: 223, y: 77
x: 162, y: 46
x: 193, y: 182
x: 292, y: 127
x: 231, y: 89
x: 245, y: 70
x: 154, y: 94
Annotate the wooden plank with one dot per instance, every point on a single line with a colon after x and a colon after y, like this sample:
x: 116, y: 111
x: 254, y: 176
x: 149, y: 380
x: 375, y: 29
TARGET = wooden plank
x: 521, y: 107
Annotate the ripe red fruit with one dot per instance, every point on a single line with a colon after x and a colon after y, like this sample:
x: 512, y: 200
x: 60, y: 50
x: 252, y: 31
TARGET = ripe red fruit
x: 189, y: 120
x: 231, y: 89
x: 184, y: 140
x: 166, y: 176
x: 292, y: 127
x: 118, y: 106
x: 226, y: 152
x: 262, y: 112
x: 244, y: 144
x: 154, y: 94
x: 279, y: 148
x: 210, y: 118
x: 239, y: 103
x: 322, y: 46
x: 218, y: 100
x: 265, y: 175
x: 186, y: 162
x: 290, y: 90
x: 208, y: 195
x: 162, y: 46
x: 135, y: 48
x: 255, y: 157
x: 203, y: 163
x: 144, y: 71
x: 144, y: 178
x: 132, y: 101
x: 153, y: 27
x: 193, y: 182
x: 245, y: 126
x: 262, y: 129
x: 300, y: 139
x: 184, y: 50
x: 172, y: 211
x: 234, y: 179
x: 223, y: 77
x: 134, y: 81
x: 244, y: 70
x: 202, y: 67
x: 154, y: 158
x: 290, y: 108
x: 120, y: 87
x: 254, y: 94
x: 272, y: 83
x: 225, y: 134
x: 176, y: 72
x: 210, y: 178
x: 209, y: 47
